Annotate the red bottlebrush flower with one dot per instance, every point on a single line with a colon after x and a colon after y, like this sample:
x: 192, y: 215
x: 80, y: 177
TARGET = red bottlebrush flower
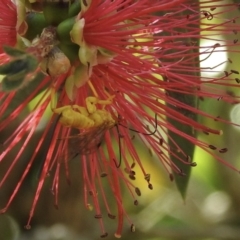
x: 115, y: 66
x: 8, y: 22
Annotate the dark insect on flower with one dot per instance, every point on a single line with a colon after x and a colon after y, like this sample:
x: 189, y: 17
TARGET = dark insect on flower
x: 92, y: 122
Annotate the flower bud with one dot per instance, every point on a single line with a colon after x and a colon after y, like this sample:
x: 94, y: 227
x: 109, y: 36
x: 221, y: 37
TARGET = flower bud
x: 63, y: 30
x: 74, y: 9
x: 55, y: 11
x: 56, y: 63
x: 36, y: 23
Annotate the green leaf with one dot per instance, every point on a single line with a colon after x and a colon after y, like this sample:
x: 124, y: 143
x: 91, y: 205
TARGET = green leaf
x: 13, y: 52
x: 23, y: 93
x: 9, y: 85
x: 19, y: 62
x: 187, y: 147
x: 17, y: 81
x: 184, y: 145
x: 13, y: 67
x: 32, y: 63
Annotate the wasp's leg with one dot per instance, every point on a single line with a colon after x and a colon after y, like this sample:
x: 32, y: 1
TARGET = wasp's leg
x: 92, y: 101
x: 80, y: 109
x: 63, y: 109
x: 93, y: 89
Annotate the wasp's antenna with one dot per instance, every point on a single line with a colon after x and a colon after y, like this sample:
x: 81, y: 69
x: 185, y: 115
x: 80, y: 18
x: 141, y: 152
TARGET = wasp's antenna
x: 119, y: 139
x: 119, y: 148
x: 146, y: 134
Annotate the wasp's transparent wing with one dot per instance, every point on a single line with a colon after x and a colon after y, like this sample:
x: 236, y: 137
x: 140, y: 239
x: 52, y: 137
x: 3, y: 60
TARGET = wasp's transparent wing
x: 86, y: 142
